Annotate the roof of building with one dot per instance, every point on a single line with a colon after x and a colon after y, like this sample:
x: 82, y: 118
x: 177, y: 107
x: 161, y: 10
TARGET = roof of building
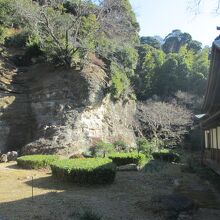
x: 212, y: 96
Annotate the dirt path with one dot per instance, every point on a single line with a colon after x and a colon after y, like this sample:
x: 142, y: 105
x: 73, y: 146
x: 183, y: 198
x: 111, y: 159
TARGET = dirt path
x: 54, y: 200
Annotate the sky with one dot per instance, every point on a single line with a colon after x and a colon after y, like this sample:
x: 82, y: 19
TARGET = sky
x: 160, y: 17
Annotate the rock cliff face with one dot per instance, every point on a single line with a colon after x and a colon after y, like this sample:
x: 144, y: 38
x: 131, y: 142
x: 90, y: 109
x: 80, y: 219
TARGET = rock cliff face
x: 47, y: 110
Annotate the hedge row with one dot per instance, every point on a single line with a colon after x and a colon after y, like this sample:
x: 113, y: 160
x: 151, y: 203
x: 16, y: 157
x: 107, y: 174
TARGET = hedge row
x: 168, y: 157
x: 86, y: 171
x: 127, y: 158
x: 36, y: 161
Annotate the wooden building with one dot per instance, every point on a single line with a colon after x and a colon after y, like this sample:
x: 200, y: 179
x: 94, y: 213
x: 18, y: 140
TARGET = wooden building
x: 211, y: 108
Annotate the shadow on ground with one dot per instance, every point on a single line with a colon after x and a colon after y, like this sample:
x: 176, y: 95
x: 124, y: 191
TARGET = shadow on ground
x: 128, y: 198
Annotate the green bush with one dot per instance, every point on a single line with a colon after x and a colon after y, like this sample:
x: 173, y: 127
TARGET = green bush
x: 101, y: 149
x: 18, y: 40
x: 127, y: 158
x: 36, y: 161
x: 120, y: 146
x: 119, y: 81
x: 145, y: 146
x: 33, y: 47
x: 166, y: 156
x: 86, y: 171
x: 2, y: 34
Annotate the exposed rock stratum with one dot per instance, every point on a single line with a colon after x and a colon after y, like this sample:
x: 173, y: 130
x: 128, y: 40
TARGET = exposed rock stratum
x: 44, y: 109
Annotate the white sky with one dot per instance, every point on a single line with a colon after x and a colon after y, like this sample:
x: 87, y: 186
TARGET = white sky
x: 160, y: 17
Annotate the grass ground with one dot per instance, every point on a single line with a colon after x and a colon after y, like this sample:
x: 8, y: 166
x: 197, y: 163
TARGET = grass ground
x: 123, y: 200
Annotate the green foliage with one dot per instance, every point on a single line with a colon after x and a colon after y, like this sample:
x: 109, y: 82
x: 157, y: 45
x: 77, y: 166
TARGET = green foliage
x: 149, y: 64
x: 36, y: 161
x: 3, y: 34
x: 151, y: 41
x: 64, y: 37
x: 145, y: 146
x: 105, y: 46
x: 175, y: 40
x: 194, y: 46
x: 166, y: 156
x: 122, y: 69
x: 120, y: 146
x: 127, y: 158
x: 131, y: 15
x: 148, y: 147
x: 6, y: 12
x: 200, y: 69
x: 17, y: 40
x: 127, y: 57
x: 69, y: 30
x: 119, y: 82
x: 33, y: 47
x: 85, y: 171
x: 7, y: 19
x: 184, y: 67
x: 101, y: 149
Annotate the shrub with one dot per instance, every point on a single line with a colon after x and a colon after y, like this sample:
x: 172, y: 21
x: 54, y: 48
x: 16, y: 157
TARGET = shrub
x: 166, y: 156
x: 120, y: 146
x: 100, y: 149
x: 87, y: 171
x: 127, y: 158
x: 2, y: 34
x: 145, y: 146
x: 119, y: 82
x: 6, y: 33
x: 33, y: 47
x: 77, y: 156
x: 36, y: 161
x: 18, y: 40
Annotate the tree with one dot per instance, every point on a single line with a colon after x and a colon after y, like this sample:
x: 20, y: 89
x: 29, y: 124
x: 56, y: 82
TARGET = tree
x: 6, y: 9
x: 194, y: 6
x: 184, y: 67
x: 153, y: 42
x: 175, y: 40
x: 68, y: 31
x: 195, y: 46
x: 127, y: 58
x: 149, y: 63
x: 200, y: 69
x: 63, y: 37
x: 120, y: 22
x: 119, y: 82
x: 167, y: 78
x: 167, y: 121
x: 6, y: 18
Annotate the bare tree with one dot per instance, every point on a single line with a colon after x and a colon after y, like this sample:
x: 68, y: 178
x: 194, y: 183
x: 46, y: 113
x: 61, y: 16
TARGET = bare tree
x: 195, y: 5
x: 167, y: 121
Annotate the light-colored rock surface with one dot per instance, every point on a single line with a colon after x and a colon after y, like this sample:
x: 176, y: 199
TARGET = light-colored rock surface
x: 48, y: 110
x: 3, y: 158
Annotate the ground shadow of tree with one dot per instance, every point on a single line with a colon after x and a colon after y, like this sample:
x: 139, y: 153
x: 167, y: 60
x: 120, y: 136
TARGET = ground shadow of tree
x: 56, y: 200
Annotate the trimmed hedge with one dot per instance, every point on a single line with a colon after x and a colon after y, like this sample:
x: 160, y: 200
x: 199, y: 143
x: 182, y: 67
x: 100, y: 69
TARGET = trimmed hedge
x: 127, y: 158
x: 168, y: 157
x: 86, y: 171
x: 36, y: 161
